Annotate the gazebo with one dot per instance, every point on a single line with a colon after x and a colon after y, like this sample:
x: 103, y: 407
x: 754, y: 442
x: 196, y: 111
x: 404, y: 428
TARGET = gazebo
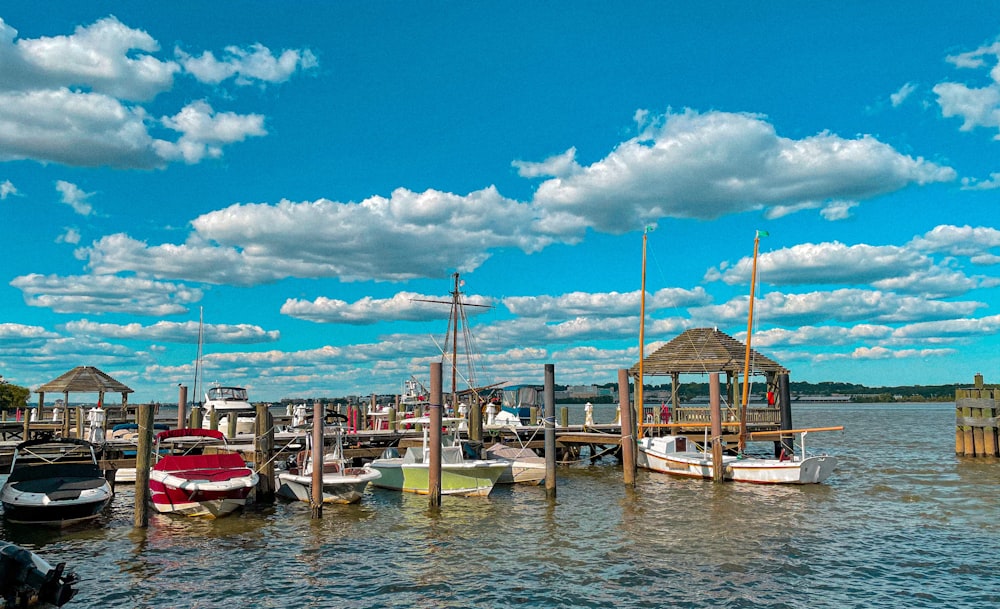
x: 83, y: 379
x: 703, y: 351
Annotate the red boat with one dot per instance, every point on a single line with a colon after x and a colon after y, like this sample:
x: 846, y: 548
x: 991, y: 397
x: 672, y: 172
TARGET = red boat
x: 197, y: 475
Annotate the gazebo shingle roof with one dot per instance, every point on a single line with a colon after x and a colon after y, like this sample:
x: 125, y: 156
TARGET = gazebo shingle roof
x: 705, y: 350
x: 84, y: 379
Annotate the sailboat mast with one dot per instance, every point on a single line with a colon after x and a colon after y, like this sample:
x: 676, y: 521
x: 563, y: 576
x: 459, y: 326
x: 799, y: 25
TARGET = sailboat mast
x: 642, y: 339
x: 197, y: 359
x: 746, y: 358
x: 454, y: 345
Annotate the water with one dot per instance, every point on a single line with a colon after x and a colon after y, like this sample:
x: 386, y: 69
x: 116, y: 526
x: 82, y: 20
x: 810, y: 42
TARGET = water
x: 902, y: 523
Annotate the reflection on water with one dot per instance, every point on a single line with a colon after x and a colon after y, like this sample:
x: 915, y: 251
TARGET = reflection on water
x: 902, y: 523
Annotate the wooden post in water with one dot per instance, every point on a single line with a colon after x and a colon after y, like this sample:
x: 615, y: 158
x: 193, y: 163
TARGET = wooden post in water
x: 182, y: 400
x: 231, y: 427
x: 787, y: 443
x: 213, y: 419
x: 977, y: 411
x: 550, y: 431
x: 718, y: 472
x: 628, y: 437
x: 316, y: 496
x: 564, y: 416
x: 79, y: 422
x: 434, y: 439
x: 263, y: 450
x: 391, y: 420
x: 143, y: 454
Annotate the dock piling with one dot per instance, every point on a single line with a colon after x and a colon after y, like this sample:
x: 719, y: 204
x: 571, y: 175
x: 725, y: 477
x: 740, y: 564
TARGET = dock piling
x: 628, y: 438
x: 550, y: 431
x: 434, y: 440
x: 143, y: 454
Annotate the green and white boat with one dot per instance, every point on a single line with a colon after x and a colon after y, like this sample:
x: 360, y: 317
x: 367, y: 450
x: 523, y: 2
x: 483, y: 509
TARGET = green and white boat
x: 459, y: 476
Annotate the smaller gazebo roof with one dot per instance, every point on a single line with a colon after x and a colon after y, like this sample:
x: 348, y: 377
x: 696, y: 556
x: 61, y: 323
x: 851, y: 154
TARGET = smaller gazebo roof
x: 705, y: 350
x: 84, y: 379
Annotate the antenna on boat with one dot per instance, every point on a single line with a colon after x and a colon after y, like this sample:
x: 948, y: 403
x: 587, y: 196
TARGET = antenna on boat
x: 741, y: 446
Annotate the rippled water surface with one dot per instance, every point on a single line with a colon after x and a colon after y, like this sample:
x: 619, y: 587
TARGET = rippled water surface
x: 902, y: 523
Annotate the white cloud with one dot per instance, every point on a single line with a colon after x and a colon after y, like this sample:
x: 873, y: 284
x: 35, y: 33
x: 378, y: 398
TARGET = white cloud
x: 560, y: 166
x: 75, y: 197
x: 694, y: 165
x: 7, y: 189
x: 176, y: 332
x: 76, y: 99
x: 247, y: 65
x: 406, y: 306
x: 70, y: 235
x: 899, y: 268
x: 976, y: 106
x: 904, y: 92
x: 204, y: 132
x: 883, y: 353
x: 972, y: 242
x: 604, y: 304
x: 250, y: 244
x: 105, y: 294
x: 844, y: 305
x: 989, y: 184
x: 106, y: 57
x: 838, y: 210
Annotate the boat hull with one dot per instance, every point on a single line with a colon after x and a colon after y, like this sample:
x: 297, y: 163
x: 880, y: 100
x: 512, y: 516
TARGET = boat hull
x: 469, y: 479
x: 656, y: 454
x: 208, y: 486
x: 76, y: 500
x: 346, y: 487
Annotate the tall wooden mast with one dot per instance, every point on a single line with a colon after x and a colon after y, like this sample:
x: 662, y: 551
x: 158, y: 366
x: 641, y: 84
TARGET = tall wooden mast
x: 746, y: 358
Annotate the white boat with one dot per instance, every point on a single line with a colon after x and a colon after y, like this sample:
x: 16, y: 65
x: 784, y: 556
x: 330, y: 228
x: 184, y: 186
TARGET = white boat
x: 677, y: 456
x: 129, y: 432
x: 459, y: 475
x: 229, y: 402
x: 54, y: 482
x: 671, y: 454
x: 341, y: 482
x: 524, y: 466
x: 199, y: 476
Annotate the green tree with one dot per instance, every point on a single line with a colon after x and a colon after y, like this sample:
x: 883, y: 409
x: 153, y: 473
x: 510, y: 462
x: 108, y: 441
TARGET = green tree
x: 13, y: 396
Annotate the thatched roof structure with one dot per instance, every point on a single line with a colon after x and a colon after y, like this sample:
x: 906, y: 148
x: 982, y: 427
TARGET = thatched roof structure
x: 83, y: 379
x: 705, y: 350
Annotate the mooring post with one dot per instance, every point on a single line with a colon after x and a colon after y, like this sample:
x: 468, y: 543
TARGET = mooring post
x: 316, y: 496
x: 628, y: 438
x: 231, y: 427
x: 787, y: 443
x: 263, y: 452
x: 79, y: 422
x: 564, y: 416
x: 550, y: 431
x: 434, y: 438
x: 182, y: 400
x: 715, y: 402
x: 143, y: 454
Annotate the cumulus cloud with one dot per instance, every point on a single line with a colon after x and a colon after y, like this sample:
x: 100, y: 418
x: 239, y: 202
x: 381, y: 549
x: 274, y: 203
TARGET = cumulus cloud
x: 706, y: 165
x: 404, y: 306
x: 899, y: 268
x: 247, y: 65
x: 845, y: 305
x: 75, y: 197
x: 76, y: 99
x: 379, y: 238
x: 974, y: 243
x: 606, y: 303
x: 70, y: 235
x: 105, y: 294
x: 176, y: 332
x: 991, y: 183
x: 7, y: 189
x: 976, y: 106
x: 204, y: 132
x: 904, y: 92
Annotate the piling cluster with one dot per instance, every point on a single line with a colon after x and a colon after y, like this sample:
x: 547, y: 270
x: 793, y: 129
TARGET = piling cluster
x: 977, y: 411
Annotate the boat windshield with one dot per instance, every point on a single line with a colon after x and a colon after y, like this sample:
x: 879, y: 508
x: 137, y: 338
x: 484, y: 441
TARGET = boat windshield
x: 228, y: 394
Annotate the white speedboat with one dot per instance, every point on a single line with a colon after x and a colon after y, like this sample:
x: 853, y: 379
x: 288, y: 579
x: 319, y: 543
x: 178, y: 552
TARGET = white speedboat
x: 524, y: 466
x: 459, y: 475
x: 54, y: 482
x: 193, y: 481
x: 341, y: 482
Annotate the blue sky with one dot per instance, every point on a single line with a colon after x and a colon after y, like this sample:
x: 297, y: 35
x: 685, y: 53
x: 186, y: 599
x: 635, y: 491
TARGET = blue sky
x: 307, y: 174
